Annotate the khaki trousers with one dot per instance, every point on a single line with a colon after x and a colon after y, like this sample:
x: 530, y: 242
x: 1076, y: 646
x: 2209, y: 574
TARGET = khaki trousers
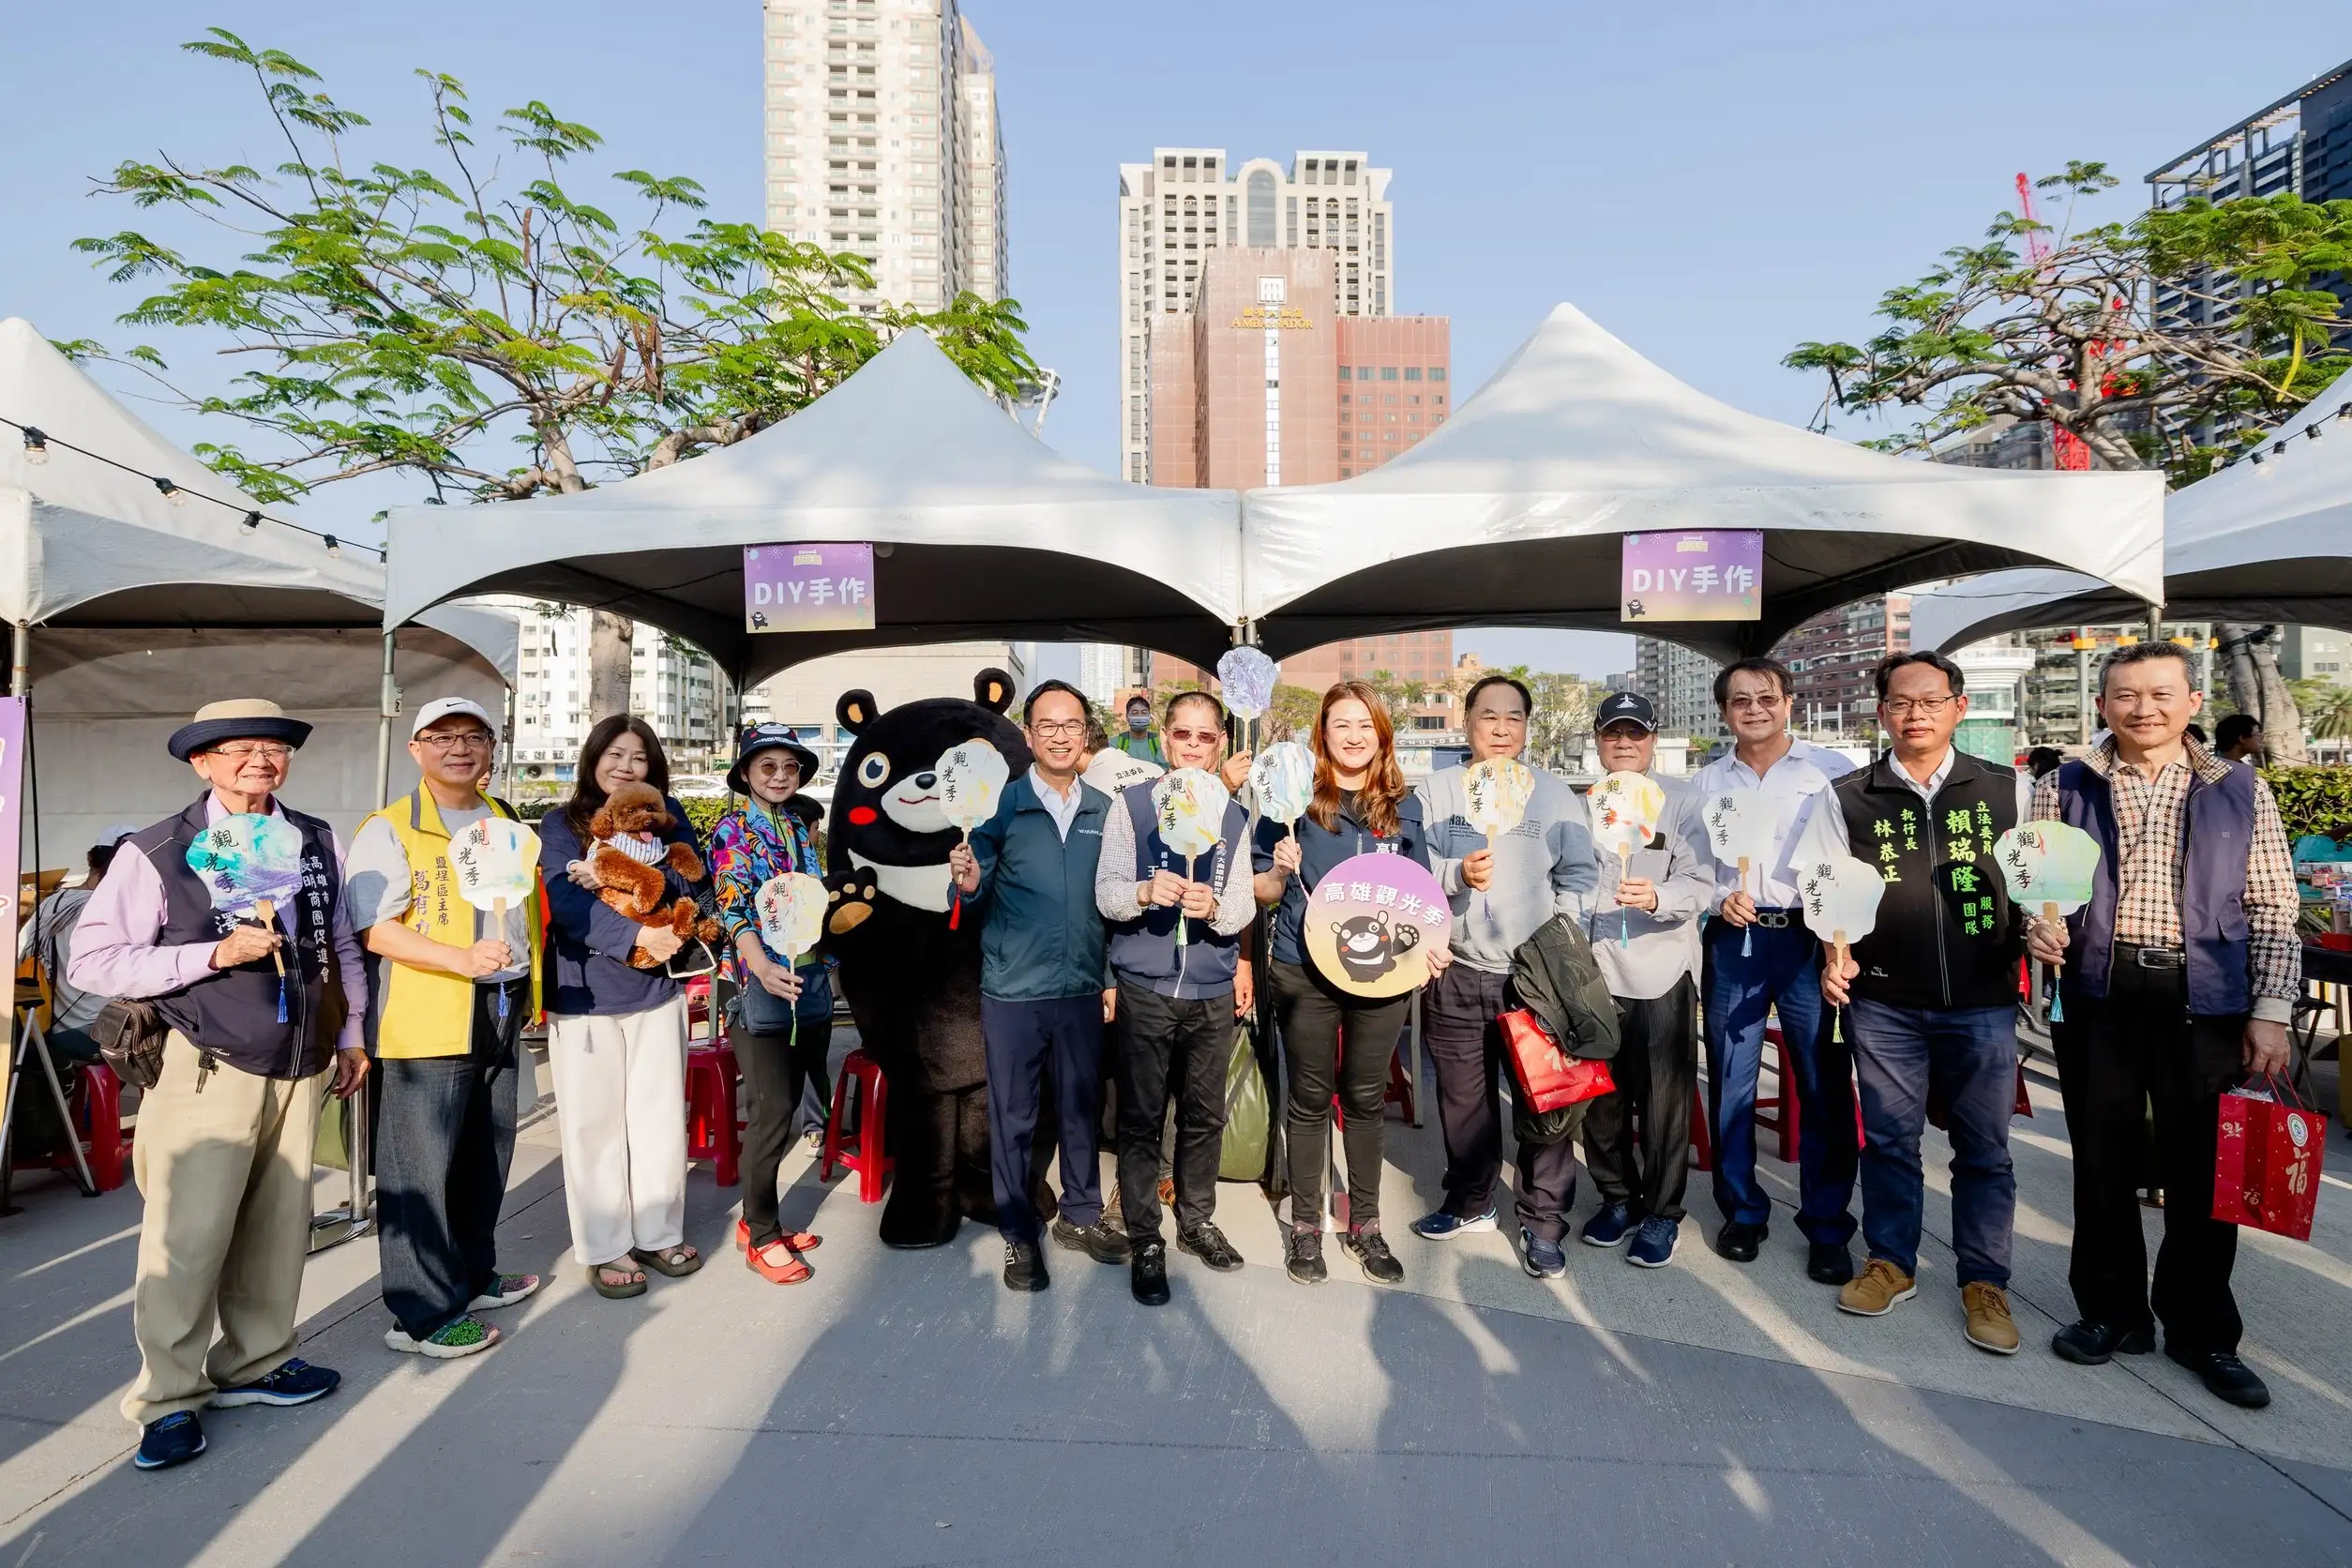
x: 226, y: 1175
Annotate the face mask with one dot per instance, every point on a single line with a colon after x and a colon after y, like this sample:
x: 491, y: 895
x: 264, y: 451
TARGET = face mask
x: 1138, y: 722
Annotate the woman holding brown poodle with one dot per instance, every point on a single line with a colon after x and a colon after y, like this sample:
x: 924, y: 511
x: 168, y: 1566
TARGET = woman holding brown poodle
x: 616, y: 1020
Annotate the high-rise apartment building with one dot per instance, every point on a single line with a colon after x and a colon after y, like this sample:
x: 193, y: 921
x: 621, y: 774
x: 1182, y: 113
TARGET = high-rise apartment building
x: 807, y: 695
x: 1832, y: 661
x: 676, y: 688
x: 884, y: 141
x: 1681, y: 685
x: 1189, y: 202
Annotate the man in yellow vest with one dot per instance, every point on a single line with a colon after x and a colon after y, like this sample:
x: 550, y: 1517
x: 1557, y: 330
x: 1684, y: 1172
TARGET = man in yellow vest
x: 452, y: 996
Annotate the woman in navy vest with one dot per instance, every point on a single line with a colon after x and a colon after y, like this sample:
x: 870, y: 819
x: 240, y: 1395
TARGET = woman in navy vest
x: 1361, y: 806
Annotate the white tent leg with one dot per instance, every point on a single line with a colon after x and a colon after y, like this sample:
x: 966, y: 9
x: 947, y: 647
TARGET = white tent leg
x: 21, y: 660
x: 387, y: 709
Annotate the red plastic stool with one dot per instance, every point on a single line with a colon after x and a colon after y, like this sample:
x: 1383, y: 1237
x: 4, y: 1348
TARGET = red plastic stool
x: 107, y: 1145
x: 1400, y: 1086
x: 868, y: 1159
x: 713, y: 1133
x: 1702, y: 1139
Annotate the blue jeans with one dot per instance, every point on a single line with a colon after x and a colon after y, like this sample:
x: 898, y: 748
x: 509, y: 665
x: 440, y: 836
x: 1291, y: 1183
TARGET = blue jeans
x: 1031, y: 1046
x: 1968, y: 1058
x: 1784, y: 970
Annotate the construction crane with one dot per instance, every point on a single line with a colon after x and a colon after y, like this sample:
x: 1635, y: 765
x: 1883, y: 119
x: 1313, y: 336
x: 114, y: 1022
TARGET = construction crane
x: 2072, y: 452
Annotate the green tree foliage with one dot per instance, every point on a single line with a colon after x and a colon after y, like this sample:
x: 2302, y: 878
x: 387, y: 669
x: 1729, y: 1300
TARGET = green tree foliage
x: 2312, y: 800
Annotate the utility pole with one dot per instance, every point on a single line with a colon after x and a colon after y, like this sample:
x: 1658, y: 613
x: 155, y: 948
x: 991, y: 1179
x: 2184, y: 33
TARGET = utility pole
x: 2082, y: 684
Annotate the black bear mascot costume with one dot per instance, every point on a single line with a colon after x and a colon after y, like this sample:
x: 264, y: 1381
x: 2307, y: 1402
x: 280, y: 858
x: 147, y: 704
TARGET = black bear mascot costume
x: 912, y: 977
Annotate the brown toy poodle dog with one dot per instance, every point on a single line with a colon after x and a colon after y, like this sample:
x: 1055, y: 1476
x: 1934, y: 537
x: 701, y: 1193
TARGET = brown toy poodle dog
x: 634, y: 886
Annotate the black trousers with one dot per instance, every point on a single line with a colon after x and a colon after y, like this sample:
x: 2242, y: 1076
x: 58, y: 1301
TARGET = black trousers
x: 447, y: 1136
x: 777, y: 1070
x: 1165, y: 1044
x: 1639, y: 1139
x: 1457, y: 1016
x: 1548, y: 1178
x: 2134, y: 1048
x: 1312, y: 1014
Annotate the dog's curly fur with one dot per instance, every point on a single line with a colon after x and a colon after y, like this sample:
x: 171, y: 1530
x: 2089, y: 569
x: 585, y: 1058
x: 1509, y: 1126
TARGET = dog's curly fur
x: 634, y: 888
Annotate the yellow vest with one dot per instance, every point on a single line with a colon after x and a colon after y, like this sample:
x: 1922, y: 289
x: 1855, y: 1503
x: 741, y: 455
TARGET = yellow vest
x: 429, y: 1012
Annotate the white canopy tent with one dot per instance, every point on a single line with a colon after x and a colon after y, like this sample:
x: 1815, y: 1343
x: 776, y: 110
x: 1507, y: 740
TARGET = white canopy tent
x: 2266, y: 540
x: 130, y: 612
x: 981, y: 530
x: 1512, y: 513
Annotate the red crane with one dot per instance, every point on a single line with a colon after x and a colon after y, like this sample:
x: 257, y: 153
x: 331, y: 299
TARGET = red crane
x: 2072, y: 452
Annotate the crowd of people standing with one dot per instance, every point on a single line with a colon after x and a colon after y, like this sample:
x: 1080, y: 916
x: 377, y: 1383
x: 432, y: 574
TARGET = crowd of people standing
x: 1107, y: 956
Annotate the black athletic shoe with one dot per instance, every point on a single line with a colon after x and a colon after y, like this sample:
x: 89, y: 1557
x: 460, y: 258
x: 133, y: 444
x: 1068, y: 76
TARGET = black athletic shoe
x: 173, y: 1440
x: 2089, y: 1344
x: 1738, y: 1240
x: 1380, y: 1265
x: 1208, y: 1243
x: 1098, y: 1241
x: 2224, y: 1375
x: 1829, y: 1263
x: 1025, y: 1267
x: 1305, y: 1260
x: 1147, y: 1272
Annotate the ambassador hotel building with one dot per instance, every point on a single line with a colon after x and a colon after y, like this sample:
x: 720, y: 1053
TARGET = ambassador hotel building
x: 1261, y: 349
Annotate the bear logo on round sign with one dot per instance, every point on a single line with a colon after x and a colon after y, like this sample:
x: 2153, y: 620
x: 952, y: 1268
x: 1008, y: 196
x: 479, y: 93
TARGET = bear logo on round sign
x: 2297, y: 1133
x: 1371, y: 921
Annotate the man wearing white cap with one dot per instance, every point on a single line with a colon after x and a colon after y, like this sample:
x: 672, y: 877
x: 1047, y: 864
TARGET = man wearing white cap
x: 452, y: 995
x: 225, y: 1135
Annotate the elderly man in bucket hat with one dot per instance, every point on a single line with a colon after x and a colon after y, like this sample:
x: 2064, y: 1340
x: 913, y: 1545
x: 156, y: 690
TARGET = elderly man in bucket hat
x: 223, y: 1157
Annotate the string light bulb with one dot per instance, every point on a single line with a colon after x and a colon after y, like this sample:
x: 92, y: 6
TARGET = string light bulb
x: 332, y: 547
x: 171, y: 492
x: 36, y: 445
x: 253, y: 522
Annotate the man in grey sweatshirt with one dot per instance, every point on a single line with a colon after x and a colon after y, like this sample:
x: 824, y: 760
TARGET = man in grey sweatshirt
x: 1501, y: 894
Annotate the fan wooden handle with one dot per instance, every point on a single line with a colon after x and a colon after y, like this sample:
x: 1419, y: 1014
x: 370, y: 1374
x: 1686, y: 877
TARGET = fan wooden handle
x: 267, y: 910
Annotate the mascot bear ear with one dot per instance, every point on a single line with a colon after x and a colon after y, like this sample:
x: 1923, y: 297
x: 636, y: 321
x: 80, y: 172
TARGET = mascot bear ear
x: 992, y: 689
x: 855, y: 710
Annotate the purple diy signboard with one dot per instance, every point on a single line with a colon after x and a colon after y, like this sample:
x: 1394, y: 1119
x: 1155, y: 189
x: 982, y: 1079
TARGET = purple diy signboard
x: 827, y: 587
x: 11, y: 803
x: 1703, y: 575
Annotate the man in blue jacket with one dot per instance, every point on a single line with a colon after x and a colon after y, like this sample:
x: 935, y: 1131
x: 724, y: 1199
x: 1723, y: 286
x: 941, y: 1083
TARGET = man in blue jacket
x: 1029, y: 871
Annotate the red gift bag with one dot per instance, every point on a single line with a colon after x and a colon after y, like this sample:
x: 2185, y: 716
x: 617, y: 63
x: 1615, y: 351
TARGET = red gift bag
x: 1548, y: 1076
x: 2266, y: 1164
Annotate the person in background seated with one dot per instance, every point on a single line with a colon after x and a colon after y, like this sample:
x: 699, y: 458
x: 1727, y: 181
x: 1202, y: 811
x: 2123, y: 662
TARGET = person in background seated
x: 48, y: 939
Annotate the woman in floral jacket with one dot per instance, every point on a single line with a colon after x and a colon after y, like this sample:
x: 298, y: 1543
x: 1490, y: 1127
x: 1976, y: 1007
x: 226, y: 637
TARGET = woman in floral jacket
x: 785, y: 1026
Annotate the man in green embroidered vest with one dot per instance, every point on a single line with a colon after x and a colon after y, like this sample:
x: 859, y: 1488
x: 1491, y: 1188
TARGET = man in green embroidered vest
x: 453, y: 995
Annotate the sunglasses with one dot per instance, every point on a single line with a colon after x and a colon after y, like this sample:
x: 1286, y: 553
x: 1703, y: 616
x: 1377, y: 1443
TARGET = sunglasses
x: 1191, y: 737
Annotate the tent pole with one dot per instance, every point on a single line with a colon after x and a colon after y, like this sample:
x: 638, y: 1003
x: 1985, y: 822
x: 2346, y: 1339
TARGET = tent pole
x: 2155, y: 621
x: 388, y: 708
x: 21, y: 660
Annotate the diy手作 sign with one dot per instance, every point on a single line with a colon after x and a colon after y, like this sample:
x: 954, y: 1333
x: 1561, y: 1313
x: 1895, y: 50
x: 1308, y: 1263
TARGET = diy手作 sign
x: 827, y: 587
x: 1702, y: 574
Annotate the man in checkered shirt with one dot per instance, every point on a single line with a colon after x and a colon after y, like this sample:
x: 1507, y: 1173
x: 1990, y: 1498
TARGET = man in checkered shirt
x: 2180, y: 975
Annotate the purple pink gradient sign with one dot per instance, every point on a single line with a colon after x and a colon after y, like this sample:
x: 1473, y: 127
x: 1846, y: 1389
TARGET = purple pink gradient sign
x: 827, y: 587
x: 1708, y: 575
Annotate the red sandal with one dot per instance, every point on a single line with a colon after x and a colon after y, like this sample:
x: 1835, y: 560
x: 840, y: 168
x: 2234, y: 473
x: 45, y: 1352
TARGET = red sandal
x: 791, y: 1272
x: 799, y: 1240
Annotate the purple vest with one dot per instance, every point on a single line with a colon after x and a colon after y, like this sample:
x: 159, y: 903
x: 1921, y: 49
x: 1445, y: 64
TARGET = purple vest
x: 2216, y: 833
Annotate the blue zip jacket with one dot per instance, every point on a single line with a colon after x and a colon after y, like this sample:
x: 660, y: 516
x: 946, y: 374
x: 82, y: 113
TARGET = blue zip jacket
x: 1322, y: 848
x: 1041, y: 936
x: 589, y: 941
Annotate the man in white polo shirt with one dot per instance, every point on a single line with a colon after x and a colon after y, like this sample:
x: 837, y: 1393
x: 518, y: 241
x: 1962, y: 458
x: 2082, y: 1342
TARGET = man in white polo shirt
x: 1760, y: 957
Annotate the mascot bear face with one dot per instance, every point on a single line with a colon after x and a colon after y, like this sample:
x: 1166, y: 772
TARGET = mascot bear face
x: 887, y: 823
x: 1369, y: 946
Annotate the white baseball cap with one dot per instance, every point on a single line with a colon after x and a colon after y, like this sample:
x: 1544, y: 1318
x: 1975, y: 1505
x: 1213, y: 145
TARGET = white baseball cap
x: 440, y: 708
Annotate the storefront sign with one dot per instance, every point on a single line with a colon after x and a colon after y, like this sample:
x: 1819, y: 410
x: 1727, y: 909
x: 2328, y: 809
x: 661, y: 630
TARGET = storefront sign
x: 1273, y: 318
x: 1702, y: 576
x: 827, y: 587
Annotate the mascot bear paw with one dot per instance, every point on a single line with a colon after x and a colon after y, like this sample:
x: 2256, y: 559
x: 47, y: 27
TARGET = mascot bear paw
x: 627, y: 861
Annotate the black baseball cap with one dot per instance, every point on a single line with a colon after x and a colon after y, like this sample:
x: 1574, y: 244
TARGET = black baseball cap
x: 1627, y: 705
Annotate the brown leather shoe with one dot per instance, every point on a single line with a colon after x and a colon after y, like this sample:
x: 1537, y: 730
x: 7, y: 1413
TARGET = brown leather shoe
x: 1990, y: 1326
x: 1875, y: 1291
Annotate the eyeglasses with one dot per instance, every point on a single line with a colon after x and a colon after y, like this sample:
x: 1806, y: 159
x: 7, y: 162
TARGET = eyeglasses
x: 1754, y: 704
x: 464, y: 739
x: 1046, y: 728
x: 248, y: 753
x: 1195, y: 737
x: 1903, y: 707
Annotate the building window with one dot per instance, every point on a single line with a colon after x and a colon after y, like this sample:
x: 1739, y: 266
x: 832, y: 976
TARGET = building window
x: 1413, y: 372
x: 1261, y: 211
x: 1436, y: 372
x: 1387, y: 373
x: 1343, y: 376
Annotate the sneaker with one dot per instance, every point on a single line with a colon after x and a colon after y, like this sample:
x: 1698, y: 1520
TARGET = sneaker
x: 507, y: 1289
x: 1444, y: 1227
x: 1100, y: 1241
x: 174, y: 1439
x: 1990, y: 1326
x: 1875, y: 1291
x: 1653, y: 1243
x: 1147, y: 1273
x: 2223, y: 1375
x: 1208, y: 1243
x: 296, y: 1382
x: 1372, y: 1255
x: 1025, y: 1267
x: 1608, y: 1226
x: 2089, y: 1344
x: 1544, y: 1259
x: 460, y: 1336
x: 1304, y: 1262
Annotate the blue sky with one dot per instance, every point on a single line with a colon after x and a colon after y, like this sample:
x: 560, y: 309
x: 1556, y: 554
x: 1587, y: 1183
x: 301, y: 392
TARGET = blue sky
x: 1712, y: 182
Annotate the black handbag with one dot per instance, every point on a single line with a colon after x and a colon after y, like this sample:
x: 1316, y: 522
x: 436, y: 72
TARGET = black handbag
x: 129, y: 1034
